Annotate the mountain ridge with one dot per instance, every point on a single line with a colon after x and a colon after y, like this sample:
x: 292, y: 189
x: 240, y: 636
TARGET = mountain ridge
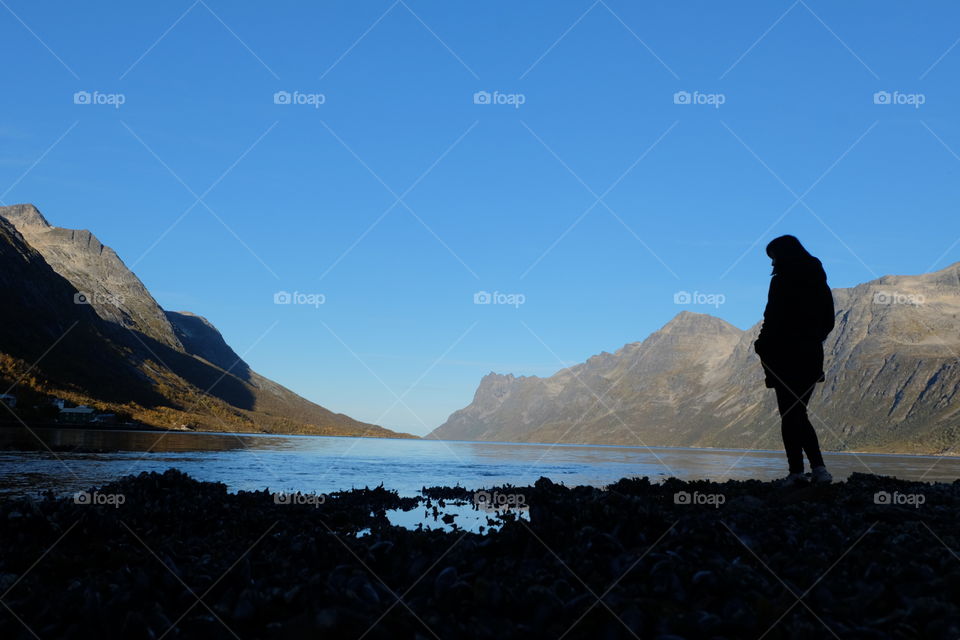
x: 98, y: 336
x: 891, y: 364
x: 97, y: 272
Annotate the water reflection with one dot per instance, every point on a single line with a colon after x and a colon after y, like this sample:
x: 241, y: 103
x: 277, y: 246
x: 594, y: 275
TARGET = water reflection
x: 113, y: 440
x: 455, y: 516
x: 84, y: 458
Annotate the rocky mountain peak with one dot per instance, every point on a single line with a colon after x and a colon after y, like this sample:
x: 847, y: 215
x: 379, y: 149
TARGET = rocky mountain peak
x: 24, y: 215
x: 690, y: 322
x: 495, y: 385
x: 105, y: 283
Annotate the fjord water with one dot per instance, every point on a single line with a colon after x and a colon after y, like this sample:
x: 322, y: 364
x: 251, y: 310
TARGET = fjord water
x: 84, y: 458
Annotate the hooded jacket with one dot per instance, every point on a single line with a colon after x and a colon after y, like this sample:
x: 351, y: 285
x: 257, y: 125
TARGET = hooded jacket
x: 798, y: 318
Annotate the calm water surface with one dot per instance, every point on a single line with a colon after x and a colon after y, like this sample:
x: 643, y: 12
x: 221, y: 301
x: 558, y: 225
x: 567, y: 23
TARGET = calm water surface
x: 326, y: 464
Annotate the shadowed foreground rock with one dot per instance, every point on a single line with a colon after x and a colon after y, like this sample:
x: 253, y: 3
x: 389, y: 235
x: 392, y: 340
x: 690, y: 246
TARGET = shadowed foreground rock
x: 184, y: 559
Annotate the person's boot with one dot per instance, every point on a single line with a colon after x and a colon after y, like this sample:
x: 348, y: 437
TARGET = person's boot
x: 793, y: 480
x: 820, y: 475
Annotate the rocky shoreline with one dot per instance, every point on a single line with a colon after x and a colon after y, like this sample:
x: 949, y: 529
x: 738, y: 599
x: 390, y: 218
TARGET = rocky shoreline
x: 164, y: 555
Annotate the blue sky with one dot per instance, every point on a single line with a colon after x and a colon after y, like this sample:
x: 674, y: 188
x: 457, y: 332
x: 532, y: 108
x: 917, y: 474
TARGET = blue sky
x: 400, y: 196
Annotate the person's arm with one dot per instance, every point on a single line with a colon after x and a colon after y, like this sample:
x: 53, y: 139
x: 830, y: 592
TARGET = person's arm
x: 771, y: 315
x: 827, y: 311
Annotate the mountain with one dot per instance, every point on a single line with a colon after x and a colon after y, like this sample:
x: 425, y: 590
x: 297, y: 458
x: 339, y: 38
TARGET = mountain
x: 201, y: 339
x: 98, y: 337
x: 892, y: 376
x: 96, y: 271
x: 42, y: 314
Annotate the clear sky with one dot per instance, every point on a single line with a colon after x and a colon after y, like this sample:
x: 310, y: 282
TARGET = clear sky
x: 586, y: 184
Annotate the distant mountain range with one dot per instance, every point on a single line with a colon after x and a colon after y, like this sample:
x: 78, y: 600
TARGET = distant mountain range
x: 892, y: 382
x: 98, y: 337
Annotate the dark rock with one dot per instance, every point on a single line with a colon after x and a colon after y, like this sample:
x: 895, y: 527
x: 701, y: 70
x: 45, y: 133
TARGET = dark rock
x: 664, y: 569
x: 445, y: 580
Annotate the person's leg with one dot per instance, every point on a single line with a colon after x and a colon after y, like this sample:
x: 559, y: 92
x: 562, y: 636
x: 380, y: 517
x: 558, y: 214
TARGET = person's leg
x: 807, y: 434
x: 796, y: 427
x: 787, y: 404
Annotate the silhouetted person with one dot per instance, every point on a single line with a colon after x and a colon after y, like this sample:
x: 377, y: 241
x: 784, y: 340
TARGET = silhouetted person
x: 798, y: 318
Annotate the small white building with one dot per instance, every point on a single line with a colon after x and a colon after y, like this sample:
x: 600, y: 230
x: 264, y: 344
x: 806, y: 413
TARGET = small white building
x: 74, y: 415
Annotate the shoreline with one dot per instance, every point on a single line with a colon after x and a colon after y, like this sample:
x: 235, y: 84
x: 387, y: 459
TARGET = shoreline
x: 672, y: 560
x: 120, y: 428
